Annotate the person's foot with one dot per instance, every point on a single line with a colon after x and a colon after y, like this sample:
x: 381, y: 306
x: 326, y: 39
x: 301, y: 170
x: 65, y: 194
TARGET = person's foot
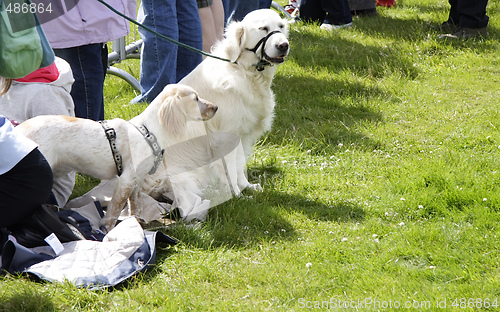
x: 466, y: 33
x: 327, y: 26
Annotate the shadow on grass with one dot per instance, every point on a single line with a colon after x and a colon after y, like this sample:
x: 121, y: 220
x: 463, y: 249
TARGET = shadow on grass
x: 324, y: 114
x: 27, y: 301
x: 249, y: 220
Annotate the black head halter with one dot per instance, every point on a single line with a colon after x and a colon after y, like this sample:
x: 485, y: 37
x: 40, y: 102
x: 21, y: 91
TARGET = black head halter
x: 262, y: 42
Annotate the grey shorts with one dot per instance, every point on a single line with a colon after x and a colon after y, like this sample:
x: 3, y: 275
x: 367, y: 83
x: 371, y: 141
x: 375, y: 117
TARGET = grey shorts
x: 204, y: 3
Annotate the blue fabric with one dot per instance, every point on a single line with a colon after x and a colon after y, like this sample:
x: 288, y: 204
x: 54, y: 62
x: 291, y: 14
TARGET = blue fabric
x: 237, y: 9
x: 17, y: 259
x: 163, y: 62
x: 88, y: 70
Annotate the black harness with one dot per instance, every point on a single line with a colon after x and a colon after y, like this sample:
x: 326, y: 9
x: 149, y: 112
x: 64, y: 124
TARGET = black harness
x: 153, y: 143
x: 148, y: 136
x: 262, y: 42
x: 111, y: 135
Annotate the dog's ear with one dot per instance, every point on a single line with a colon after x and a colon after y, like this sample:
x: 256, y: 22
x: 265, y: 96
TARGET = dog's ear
x: 235, y: 37
x: 172, y: 115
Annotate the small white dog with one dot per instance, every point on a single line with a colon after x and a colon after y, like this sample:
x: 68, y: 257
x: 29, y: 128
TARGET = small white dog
x: 133, y: 147
x: 242, y: 90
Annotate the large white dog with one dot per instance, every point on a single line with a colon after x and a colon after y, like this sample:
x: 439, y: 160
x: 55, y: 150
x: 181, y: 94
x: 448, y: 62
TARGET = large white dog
x: 241, y: 89
x: 83, y: 145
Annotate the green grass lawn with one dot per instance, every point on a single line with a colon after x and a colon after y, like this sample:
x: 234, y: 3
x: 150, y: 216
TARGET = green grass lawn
x: 381, y: 185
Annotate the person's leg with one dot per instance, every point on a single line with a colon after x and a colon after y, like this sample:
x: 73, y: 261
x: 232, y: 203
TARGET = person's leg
x: 86, y: 62
x: 454, y: 16
x: 338, y: 12
x: 265, y: 4
x: 237, y: 9
x: 24, y: 188
x: 158, y: 56
x: 212, y: 22
x: 472, y: 13
x: 190, y: 33
x: 208, y: 28
x: 310, y: 11
x: 470, y: 17
x: 218, y: 13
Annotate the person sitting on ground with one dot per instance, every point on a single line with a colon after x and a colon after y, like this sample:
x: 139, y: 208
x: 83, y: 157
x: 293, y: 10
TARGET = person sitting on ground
x: 46, y: 91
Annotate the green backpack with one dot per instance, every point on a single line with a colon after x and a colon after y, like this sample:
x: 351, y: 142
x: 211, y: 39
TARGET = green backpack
x: 23, y: 45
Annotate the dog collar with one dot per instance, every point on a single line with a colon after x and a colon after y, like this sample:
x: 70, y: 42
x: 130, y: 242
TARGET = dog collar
x: 262, y: 42
x: 153, y: 143
x: 111, y: 135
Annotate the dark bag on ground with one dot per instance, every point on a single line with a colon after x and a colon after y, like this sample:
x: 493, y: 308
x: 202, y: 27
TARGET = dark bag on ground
x: 43, y: 222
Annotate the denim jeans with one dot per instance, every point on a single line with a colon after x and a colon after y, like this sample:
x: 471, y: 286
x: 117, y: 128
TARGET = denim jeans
x: 335, y: 12
x: 88, y: 68
x: 163, y: 62
x: 237, y: 9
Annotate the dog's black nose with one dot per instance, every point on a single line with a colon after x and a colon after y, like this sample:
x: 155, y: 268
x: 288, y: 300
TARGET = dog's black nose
x: 282, y: 47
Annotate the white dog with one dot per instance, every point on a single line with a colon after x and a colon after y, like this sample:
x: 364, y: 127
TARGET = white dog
x: 242, y: 90
x: 118, y: 147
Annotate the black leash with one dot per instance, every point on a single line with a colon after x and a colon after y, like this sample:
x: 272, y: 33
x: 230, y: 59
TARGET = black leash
x: 162, y: 36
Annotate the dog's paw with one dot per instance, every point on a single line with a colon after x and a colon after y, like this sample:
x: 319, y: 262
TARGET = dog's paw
x: 141, y: 222
x: 254, y: 187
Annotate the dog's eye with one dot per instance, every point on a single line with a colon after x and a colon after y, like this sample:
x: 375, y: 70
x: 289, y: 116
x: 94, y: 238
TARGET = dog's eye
x: 265, y: 28
x: 282, y: 26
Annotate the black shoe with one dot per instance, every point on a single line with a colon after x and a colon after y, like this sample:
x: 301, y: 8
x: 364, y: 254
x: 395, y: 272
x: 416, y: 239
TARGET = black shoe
x: 466, y: 33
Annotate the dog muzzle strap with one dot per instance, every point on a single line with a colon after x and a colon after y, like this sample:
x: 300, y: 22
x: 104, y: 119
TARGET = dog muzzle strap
x: 262, y: 42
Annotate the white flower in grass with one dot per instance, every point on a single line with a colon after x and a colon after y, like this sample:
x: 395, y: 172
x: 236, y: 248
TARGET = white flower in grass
x: 345, y: 239
x: 402, y: 199
x: 420, y: 207
x: 401, y: 223
x: 308, y: 265
x: 485, y: 199
x: 376, y: 240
